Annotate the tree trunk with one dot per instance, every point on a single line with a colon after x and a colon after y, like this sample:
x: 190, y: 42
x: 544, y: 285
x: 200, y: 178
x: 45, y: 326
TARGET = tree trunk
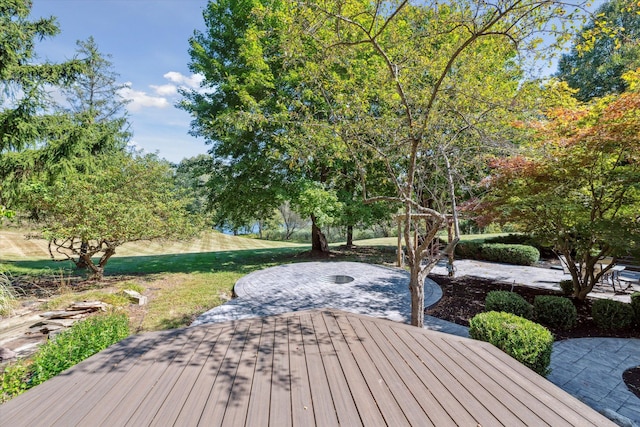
x: 416, y: 287
x: 349, y: 236
x: 318, y: 240
x: 82, y: 263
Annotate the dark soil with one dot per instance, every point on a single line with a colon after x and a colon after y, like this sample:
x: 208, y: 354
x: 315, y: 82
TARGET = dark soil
x: 464, y: 297
x: 631, y: 378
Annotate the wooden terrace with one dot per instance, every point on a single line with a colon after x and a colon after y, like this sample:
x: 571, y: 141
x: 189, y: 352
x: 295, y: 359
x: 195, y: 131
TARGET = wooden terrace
x: 320, y: 367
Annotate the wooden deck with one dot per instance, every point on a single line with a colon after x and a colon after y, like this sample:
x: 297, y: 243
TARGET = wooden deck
x: 321, y: 367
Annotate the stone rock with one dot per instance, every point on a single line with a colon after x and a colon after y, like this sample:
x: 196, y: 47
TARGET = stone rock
x: 136, y: 297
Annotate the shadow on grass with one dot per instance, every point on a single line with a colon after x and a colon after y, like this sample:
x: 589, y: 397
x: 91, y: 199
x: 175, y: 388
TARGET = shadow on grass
x: 239, y: 261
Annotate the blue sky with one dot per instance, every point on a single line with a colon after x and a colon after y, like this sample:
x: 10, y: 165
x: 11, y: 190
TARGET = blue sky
x: 148, y: 44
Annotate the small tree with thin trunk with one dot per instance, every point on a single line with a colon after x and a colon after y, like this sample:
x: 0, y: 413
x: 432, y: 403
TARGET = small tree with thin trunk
x: 577, y: 185
x: 413, y: 85
x: 126, y: 198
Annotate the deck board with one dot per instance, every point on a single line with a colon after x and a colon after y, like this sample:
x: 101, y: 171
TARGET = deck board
x: 319, y: 367
x: 302, y: 409
x: 323, y: 409
x: 361, y: 345
x: 167, y: 406
x: 191, y: 411
x: 222, y: 391
x: 477, y: 384
x: 280, y: 402
x: 428, y: 397
x: 345, y: 407
x: 366, y: 405
x: 389, y: 367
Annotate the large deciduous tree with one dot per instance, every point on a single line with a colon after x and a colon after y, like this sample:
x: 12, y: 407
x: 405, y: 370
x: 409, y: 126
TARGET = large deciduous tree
x: 255, y: 92
x: 606, y: 47
x: 577, y: 185
x: 420, y: 87
x: 120, y: 198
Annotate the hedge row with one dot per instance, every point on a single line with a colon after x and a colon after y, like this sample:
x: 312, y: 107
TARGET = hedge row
x: 549, y: 310
x: 498, y: 252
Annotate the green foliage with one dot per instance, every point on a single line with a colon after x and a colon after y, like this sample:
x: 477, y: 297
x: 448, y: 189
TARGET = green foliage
x: 566, y: 286
x: 635, y: 304
x: 70, y: 347
x: 508, y: 302
x: 127, y: 198
x: 469, y: 249
x: 576, y: 183
x: 27, y: 124
x: 510, y: 254
x: 557, y: 312
x: 14, y: 380
x: 498, y: 252
x: 522, y: 339
x: 605, y: 49
x: 74, y: 345
x: 610, y: 314
x: 7, y: 296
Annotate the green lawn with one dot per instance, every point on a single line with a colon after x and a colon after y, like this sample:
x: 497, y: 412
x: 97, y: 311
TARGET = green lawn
x: 186, y: 280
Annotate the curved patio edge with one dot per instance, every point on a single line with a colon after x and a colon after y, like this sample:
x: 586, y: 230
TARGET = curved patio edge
x: 360, y: 288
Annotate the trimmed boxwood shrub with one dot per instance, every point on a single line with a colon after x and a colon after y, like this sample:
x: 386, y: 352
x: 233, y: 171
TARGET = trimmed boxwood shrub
x: 498, y: 252
x: 635, y: 304
x: 557, y: 312
x: 509, y: 302
x: 610, y: 314
x: 510, y: 254
x: 526, y: 341
x: 511, y: 239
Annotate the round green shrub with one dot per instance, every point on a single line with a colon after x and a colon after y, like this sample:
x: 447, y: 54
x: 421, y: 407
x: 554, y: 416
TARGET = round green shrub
x: 610, y: 314
x: 566, y: 286
x: 526, y: 341
x: 510, y: 254
x: 557, y: 312
x: 635, y: 304
x: 508, y: 302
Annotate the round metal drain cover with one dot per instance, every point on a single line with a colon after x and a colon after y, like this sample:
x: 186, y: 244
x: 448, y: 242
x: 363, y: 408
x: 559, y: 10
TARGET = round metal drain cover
x: 339, y: 279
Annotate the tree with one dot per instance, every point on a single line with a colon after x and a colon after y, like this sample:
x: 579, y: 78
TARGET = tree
x: 291, y: 219
x: 577, y: 186
x: 125, y: 198
x: 238, y: 114
x: 413, y: 86
x: 263, y: 156
x: 192, y: 176
x: 25, y: 119
x: 606, y: 48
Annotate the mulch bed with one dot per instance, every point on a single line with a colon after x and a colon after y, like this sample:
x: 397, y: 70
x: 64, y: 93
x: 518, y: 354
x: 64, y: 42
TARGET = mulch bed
x: 631, y: 378
x: 464, y: 297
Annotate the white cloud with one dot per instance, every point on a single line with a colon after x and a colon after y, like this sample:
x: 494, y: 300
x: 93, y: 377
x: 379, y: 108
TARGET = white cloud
x: 141, y: 99
x: 165, y: 90
x: 192, y: 81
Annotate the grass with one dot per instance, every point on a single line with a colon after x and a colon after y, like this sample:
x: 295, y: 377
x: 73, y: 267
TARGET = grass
x: 181, y: 279
x: 179, y: 285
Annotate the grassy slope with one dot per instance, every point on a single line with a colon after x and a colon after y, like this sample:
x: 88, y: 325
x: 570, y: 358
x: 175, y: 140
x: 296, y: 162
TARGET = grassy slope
x: 181, y: 279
